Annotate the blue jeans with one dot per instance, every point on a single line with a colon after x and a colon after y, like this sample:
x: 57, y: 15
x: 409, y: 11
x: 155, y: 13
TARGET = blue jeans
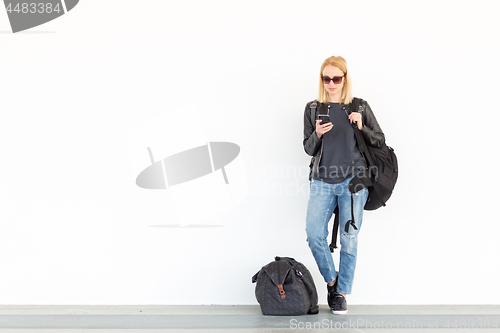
x: 323, y: 198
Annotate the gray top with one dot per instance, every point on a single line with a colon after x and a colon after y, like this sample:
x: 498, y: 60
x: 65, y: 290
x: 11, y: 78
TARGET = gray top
x: 341, y: 158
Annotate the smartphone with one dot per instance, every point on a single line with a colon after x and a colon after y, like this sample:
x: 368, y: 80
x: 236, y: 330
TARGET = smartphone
x: 324, y: 119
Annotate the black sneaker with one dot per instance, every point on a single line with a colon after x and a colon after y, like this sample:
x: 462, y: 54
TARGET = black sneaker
x: 331, y: 295
x: 332, y: 290
x: 339, y: 304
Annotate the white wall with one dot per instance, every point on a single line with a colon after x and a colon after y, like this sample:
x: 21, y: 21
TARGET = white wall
x: 75, y: 229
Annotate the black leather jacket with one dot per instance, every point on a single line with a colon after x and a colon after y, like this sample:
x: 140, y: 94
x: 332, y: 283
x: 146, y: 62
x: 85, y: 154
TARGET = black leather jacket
x: 372, y: 133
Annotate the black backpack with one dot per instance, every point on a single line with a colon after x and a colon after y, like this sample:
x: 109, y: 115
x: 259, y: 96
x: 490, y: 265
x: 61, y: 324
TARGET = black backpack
x: 382, y: 173
x: 380, y: 177
x: 285, y: 288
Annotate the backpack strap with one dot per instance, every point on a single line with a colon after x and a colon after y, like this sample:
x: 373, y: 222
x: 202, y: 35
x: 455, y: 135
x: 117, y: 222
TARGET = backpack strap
x: 335, y: 230
x: 351, y: 221
x: 313, y: 107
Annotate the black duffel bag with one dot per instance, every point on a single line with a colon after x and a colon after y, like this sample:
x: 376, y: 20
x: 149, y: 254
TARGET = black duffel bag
x: 285, y: 287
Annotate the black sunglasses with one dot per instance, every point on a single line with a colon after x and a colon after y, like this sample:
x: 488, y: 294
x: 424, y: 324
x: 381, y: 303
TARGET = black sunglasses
x: 335, y: 79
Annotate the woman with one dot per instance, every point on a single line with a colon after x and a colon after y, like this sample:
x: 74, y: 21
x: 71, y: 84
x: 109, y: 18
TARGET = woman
x: 336, y: 160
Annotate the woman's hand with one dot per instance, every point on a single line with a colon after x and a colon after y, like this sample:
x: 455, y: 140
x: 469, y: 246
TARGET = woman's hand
x: 355, y: 117
x: 322, y: 129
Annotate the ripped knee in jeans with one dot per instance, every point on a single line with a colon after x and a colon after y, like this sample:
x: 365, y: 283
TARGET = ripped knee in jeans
x: 348, y: 235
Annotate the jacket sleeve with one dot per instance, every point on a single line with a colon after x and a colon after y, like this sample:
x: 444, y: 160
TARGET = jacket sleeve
x: 372, y: 133
x: 311, y: 141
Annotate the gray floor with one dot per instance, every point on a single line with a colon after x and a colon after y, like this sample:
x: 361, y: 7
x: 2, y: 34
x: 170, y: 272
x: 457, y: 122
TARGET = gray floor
x: 247, y: 319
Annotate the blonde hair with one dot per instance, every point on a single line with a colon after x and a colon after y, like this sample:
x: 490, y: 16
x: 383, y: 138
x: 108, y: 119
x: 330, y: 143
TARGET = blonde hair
x: 341, y: 64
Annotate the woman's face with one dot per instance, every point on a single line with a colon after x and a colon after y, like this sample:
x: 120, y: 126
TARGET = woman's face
x: 334, y: 90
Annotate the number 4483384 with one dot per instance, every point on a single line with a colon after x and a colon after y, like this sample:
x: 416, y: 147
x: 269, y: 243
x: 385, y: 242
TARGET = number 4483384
x: 33, y: 8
